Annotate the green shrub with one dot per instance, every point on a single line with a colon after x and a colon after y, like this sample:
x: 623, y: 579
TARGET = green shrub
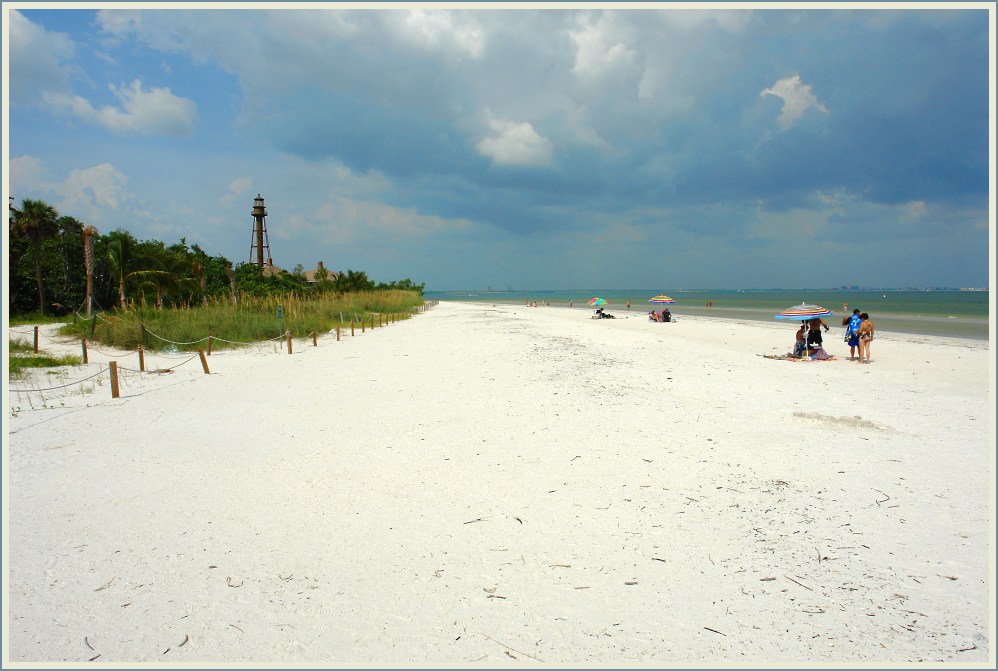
x: 255, y: 319
x: 22, y: 357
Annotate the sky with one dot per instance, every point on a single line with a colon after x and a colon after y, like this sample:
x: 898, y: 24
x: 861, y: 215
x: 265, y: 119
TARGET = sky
x: 469, y: 147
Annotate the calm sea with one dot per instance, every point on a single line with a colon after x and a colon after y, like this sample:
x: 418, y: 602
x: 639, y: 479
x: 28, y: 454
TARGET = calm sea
x: 958, y: 314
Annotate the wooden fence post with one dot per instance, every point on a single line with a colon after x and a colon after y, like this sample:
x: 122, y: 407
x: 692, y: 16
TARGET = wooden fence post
x: 363, y: 323
x: 209, y: 344
x: 84, y: 343
x: 204, y: 362
x: 142, y: 359
x: 113, y: 366
x: 315, y: 342
x: 93, y: 326
x: 337, y: 334
x: 289, y: 340
x: 351, y: 328
x: 142, y: 333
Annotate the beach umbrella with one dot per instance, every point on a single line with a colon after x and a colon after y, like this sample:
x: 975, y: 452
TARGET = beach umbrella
x: 597, y: 301
x: 661, y: 299
x: 804, y: 313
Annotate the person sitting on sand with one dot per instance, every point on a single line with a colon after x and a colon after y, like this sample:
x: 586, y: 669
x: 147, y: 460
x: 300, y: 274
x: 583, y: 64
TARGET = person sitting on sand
x: 653, y: 316
x: 799, y: 345
x: 666, y: 315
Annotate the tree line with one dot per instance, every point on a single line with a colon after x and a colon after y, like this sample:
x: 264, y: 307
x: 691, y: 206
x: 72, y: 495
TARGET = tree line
x: 57, y: 265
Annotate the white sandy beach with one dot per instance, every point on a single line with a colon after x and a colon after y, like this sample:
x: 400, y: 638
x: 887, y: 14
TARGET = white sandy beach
x: 509, y: 486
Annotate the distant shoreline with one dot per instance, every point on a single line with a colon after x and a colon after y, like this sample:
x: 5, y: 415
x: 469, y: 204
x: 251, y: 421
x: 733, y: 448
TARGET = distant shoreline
x: 969, y: 328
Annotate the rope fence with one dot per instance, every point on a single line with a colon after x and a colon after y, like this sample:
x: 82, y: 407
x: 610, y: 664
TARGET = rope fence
x: 116, y: 377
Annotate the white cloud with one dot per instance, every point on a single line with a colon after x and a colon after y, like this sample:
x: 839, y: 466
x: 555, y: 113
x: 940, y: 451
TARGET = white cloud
x: 94, y: 195
x: 119, y: 24
x: 515, y: 143
x: 147, y: 112
x: 89, y: 189
x: 27, y: 174
x: 437, y: 29
x: 237, y: 188
x: 36, y: 60
x: 598, y: 49
x: 797, y: 99
x: 349, y: 221
x: 732, y: 21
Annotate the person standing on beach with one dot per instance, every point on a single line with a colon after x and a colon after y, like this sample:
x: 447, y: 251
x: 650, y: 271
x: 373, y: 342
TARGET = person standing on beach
x: 814, y: 331
x: 628, y: 304
x: 852, y: 331
x: 865, y: 337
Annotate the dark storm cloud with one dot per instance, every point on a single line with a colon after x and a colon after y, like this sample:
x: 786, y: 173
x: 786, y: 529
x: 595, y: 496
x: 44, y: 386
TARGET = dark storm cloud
x: 773, y: 130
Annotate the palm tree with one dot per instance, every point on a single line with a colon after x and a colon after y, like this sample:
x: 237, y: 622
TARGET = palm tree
x: 89, y: 233
x: 35, y: 221
x: 164, y: 273
x: 119, y: 254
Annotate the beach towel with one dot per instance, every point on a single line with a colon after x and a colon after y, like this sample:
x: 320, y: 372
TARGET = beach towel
x: 791, y: 357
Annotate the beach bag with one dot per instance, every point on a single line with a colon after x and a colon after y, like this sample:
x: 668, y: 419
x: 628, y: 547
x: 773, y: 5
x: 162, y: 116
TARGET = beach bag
x: 846, y: 337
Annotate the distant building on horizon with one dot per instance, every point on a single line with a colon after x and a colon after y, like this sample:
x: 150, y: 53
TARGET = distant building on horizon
x: 270, y: 269
x: 310, y: 275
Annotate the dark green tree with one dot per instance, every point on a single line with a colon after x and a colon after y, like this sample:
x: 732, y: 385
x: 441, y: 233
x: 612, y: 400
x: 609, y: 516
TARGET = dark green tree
x: 118, y: 250
x: 35, y: 221
x: 252, y: 280
x: 353, y: 280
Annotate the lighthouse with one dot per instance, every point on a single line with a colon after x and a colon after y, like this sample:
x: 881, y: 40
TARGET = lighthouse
x: 259, y: 241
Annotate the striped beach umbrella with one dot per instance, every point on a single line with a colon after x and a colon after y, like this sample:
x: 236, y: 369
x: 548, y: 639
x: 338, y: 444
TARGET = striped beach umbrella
x: 803, y: 312
x: 661, y: 299
x: 597, y: 301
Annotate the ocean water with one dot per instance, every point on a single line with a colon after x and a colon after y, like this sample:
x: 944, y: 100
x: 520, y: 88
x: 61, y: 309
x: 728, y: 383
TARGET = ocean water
x: 958, y: 314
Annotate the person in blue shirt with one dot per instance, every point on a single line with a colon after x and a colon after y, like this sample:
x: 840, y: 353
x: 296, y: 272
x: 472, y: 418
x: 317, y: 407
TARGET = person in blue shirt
x: 852, y: 331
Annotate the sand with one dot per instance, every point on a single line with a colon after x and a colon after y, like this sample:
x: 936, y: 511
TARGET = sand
x: 508, y: 486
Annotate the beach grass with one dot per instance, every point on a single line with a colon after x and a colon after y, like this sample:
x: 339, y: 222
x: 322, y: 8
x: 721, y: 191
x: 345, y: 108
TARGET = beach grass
x: 22, y: 356
x: 254, y: 319
x: 35, y: 318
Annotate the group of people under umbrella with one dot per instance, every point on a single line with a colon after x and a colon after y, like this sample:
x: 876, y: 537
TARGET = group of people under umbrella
x: 858, y: 335
x: 661, y: 316
x: 859, y: 328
